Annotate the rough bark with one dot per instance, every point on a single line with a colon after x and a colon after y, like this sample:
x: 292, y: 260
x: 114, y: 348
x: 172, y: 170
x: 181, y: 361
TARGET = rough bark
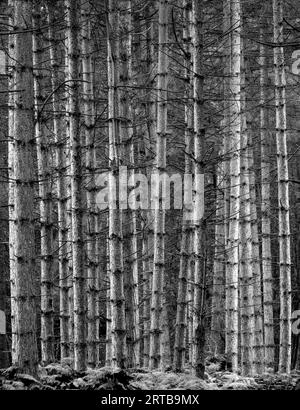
x: 45, y: 197
x: 267, y: 278
x: 79, y: 278
x: 149, y: 144
x: 158, y: 315
x: 198, y: 363
x: 246, y: 248
x: 283, y: 193
x: 222, y: 206
x: 91, y: 214
x: 186, y: 235
x: 60, y: 170
x: 23, y: 269
x: 232, y: 269
x: 116, y: 265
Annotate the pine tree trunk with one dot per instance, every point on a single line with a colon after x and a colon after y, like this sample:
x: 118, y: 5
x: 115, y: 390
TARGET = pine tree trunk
x: 79, y: 279
x: 11, y: 170
x: 149, y: 144
x: 60, y: 164
x: 130, y: 215
x: 89, y: 119
x: 158, y: 317
x: 45, y: 197
x: 232, y: 271
x: 199, y: 224
x: 222, y: 206
x: 186, y: 239
x: 23, y: 269
x: 257, y: 274
x: 283, y: 193
x: 246, y: 248
x: 269, y: 344
x: 116, y: 268
x: 108, y: 341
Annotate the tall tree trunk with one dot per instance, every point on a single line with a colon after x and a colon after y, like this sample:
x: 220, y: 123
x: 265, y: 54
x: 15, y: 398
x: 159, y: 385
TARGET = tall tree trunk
x: 222, y: 204
x: 130, y: 216
x: 60, y: 164
x: 89, y: 119
x: 149, y: 144
x: 45, y: 198
x: 269, y: 344
x: 158, y: 314
x: 232, y: 271
x: 283, y: 192
x: 116, y: 268
x: 108, y: 341
x: 4, y: 213
x: 199, y: 223
x: 246, y: 248
x: 11, y: 166
x: 23, y: 268
x: 258, y: 347
x: 79, y: 279
x: 186, y: 239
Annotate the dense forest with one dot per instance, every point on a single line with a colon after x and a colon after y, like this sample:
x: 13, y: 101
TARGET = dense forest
x: 150, y: 202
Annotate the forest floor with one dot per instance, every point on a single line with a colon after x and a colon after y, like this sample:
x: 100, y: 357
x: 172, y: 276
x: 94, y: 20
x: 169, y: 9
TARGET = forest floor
x: 63, y: 377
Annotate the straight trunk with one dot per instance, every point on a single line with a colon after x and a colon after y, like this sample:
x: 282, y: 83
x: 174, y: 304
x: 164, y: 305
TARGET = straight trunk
x: 149, y: 144
x: 198, y: 363
x: 159, y: 343
x: 186, y: 239
x: 60, y: 164
x: 232, y: 271
x: 267, y: 278
x: 23, y: 269
x: 45, y: 198
x: 116, y: 268
x: 246, y: 248
x: 222, y: 206
x: 283, y: 193
x: 258, y: 347
x: 130, y: 215
x: 11, y: 165
x: 91, y: 222
x: 79, y: 279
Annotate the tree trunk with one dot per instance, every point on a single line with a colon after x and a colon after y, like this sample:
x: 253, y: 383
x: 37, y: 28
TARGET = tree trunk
x: 11, y: 166
x: 60, y: 164
x: 232, y: 271
x: 198, y: 363
x: 130, y: 214
x: 257, y: 275
x: 45, y: 198
x: 283, y: 193
x: 268, y: 297
x: 186, y: 239
x: 149, y: 144
x: 158, y: 315
x: 246, y: 248
x: 79, y: 279
x: 222, y: 205
x: 23, y: 269
x: 116, y: 268
x: 89, y: 119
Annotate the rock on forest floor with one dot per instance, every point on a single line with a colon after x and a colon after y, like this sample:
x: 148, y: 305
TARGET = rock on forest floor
x: 63, y: 377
